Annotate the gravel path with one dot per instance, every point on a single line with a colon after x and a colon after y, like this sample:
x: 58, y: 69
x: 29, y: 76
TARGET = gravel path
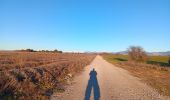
x: 115, y: 84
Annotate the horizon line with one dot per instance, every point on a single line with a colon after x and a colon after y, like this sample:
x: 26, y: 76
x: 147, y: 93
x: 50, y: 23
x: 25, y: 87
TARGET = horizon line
x: 80, y: 51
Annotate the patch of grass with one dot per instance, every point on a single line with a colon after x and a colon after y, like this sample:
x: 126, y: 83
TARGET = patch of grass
x: 115, y: 58
x: 159, y: 60
x: 163, y: 59
x: 154, y: 60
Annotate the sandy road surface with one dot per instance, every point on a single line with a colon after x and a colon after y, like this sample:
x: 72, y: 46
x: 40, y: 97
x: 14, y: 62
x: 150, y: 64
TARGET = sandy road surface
x: 114, y: 83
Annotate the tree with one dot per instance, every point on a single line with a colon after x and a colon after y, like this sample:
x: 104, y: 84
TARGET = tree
x: 57, y: 51
x: 29, y: 50
x: 137, y: 54
x: 169, y: 60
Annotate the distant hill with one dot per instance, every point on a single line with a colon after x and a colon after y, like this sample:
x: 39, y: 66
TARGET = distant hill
x: 159, y: 53
x: 149, y: 53
x: 122, y: 52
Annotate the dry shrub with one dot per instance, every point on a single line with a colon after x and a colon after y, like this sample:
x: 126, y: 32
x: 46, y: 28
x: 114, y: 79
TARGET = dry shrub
x: 137, y: 54
x: 8, y: 86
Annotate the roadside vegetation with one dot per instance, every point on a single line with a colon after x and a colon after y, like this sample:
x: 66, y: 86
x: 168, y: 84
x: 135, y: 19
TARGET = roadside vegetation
x: 37, y: 75
x: 154, y: 70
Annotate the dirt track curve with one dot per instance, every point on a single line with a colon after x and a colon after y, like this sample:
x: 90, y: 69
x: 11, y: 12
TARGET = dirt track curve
x: 114, y: 84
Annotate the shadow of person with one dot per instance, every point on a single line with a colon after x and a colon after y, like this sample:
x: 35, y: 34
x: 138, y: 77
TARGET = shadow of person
x: 92, y: 83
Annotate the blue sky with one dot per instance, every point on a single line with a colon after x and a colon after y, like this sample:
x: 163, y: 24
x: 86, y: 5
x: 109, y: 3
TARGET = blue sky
x: 85, y: 25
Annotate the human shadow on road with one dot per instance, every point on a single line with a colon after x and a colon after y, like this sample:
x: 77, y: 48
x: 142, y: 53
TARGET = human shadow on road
x: 92, y: 83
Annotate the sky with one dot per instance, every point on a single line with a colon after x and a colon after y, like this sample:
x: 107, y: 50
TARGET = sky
x: 85, y: 25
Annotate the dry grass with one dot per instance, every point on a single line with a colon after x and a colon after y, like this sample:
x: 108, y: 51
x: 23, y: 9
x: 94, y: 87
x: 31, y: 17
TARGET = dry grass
x: 35, y: 76
x: 154, y: 75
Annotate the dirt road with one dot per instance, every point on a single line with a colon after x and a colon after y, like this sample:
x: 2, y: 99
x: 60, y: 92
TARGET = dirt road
x: 114, y: 84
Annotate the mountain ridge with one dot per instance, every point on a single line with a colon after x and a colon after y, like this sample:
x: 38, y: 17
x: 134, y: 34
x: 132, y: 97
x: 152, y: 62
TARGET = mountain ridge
x: 166, y: 53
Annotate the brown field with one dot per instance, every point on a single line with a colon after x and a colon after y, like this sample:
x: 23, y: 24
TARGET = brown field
x: 156, y: 75
x: 37, y: 75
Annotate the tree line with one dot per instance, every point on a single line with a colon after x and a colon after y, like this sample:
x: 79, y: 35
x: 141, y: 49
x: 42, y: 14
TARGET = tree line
x: 32, y: 50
